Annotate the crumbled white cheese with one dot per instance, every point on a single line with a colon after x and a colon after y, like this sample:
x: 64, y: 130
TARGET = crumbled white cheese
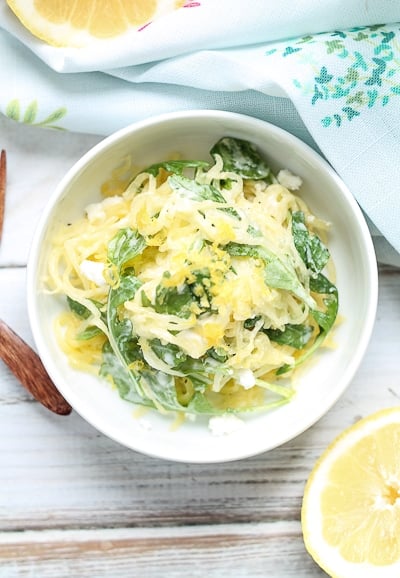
x: 289, y: 180
x: 145, y: 424
x: 224, y: 424
x: 93, y: 271
x: 246, y: 378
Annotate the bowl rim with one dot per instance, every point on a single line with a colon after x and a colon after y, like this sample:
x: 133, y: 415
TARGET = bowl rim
x: 370, y: 269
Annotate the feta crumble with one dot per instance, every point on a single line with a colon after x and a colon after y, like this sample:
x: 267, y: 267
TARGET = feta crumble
x: 246, y: 378
x: 93, y: 271
x: 145, y: 424
x: 289, y: 180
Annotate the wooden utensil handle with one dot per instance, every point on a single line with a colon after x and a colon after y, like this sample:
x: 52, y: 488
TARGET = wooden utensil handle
x: 29, y: 369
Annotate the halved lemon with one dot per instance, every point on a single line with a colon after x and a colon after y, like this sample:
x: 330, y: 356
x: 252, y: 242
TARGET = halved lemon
x: 351, y: 506
x: 80, y: 22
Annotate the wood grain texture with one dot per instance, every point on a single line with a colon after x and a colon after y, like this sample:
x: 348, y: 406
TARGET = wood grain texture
x: 246, y: 550
x: 3, y: 182
x: 64, y: 474
x: 75, y: 503
x: 28, y: 368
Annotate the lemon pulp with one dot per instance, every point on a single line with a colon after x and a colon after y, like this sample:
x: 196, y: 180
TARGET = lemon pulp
x: 351, y: 505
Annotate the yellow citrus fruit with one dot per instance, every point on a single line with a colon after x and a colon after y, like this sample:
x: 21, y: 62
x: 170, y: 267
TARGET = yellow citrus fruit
x: 351, y: 506
x: 80, y: 22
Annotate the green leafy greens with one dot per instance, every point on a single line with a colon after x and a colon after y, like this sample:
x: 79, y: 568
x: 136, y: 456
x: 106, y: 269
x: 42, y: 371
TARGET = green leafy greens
x: 147, y: 370
x: 176, y: 167
x: 199, y: 192
x: 241, y: 157
x: 277, y: 274
x: 315, y: 256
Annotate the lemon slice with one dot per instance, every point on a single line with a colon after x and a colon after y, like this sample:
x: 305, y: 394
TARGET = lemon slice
x: 79, y: 23
x: 351, y: 505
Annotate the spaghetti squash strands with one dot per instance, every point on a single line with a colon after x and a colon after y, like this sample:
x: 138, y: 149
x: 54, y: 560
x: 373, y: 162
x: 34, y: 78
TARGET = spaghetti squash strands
x: 206, y: 282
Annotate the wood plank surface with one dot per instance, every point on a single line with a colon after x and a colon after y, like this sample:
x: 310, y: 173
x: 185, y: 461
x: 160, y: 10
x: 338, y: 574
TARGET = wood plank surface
x: 241, y: 551
x: 62, y: 473
x: 75, y: 503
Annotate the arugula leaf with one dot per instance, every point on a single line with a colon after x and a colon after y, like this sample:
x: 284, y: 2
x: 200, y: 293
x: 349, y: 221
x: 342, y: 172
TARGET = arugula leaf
x: 200, y: 287
x: 253, y: 231
x: 200, y: 404
x: 88, y: 333
x: 177, y: 167
x: 194, y: 190
x: 320, y: 284
x: 251, y: 322
x: 146, y: 302
x: 218, y: 354
x: 241, y: 157
x: 325, y: 319
x: 148, y: 387
x: 178, y: 300
x: 173, y: 300
x: 121, y: 334
x: 197, y: 370
x: 78, y: 308
x: 169, y: 353
x: 163, y: 391
x: 121, y: 377
x: 199, y: 192
x: 315, y: 256
x: 124, y: 246
x: 299, y: 360
x: 84, y: 313
x: 294, y: 335
x: 277, y: 274
x: 121, y: 329
x: 310, y: 247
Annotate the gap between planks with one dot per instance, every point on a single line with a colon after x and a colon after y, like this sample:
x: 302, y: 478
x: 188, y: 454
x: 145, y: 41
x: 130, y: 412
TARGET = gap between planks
x: 41, y: 543
x: 222, y: 551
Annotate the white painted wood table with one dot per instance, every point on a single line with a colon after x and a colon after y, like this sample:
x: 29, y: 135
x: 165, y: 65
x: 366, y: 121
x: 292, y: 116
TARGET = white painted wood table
x: 74, y: 503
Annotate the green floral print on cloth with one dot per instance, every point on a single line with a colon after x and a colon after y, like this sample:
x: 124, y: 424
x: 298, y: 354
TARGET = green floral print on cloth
x: 13, y: 111
x: 327, y: 72
x: 360, y: 70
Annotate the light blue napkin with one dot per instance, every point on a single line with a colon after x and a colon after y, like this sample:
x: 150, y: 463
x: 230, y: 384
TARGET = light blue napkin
x: 327, y: 72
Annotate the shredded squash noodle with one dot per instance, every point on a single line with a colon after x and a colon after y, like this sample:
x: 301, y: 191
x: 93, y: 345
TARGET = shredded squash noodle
x: 200, y: 288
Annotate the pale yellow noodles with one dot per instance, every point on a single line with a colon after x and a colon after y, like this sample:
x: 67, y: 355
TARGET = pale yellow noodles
x: 174, y: 229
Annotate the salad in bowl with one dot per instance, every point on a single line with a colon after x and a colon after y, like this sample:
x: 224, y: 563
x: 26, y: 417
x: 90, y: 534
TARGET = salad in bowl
x: 201, y: 286
x: 198, y: 289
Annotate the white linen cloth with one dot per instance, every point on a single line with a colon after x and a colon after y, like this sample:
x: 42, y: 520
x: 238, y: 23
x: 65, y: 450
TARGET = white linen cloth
x: 327, y: 71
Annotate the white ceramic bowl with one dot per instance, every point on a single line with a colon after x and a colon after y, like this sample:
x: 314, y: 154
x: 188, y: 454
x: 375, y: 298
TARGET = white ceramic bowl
x: 193, y: 133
